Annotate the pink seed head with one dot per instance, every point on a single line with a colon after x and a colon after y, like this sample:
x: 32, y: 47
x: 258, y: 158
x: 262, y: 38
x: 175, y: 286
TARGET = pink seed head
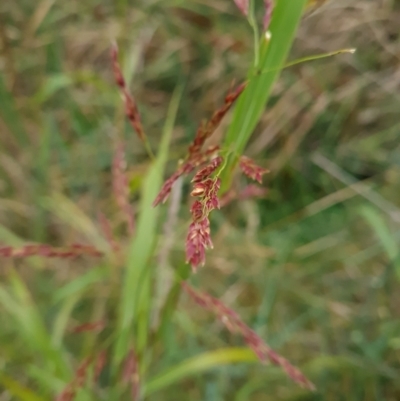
x: 251, y: 169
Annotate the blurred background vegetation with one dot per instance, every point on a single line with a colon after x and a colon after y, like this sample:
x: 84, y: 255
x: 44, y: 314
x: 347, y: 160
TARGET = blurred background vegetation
x: 314, y: 267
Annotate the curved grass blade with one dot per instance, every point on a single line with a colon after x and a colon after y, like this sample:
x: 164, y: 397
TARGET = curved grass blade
x: 199, y: 363
x: 136, y: 294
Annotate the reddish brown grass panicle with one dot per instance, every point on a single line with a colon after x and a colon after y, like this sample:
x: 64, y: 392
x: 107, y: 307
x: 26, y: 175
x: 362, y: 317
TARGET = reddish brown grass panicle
x: 165, y: 190
x: 207, y: 129
x: 233, y: 323
x: 195, y: 155
x: 47, y: 251
x: 251, y: 170
x: 205, y: 172
x: 268, y: 9
x: 198, y: 238
x: 197, y: 241
x: 121, y: 186
x: 131, y: 109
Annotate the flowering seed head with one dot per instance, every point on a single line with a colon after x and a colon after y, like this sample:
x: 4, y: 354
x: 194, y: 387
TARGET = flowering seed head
x: 233, y: 323
x: 207, y: 129
x: 197, y: 210
x: 208, y: 170
x: 165, y: 190
x: 197, y: 241
x: 48, y: 251
x: 250, y: 169
x: 131, y: 109
x: 202, y: 188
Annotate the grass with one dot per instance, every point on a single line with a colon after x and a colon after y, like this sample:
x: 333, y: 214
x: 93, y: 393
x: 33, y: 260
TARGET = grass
x: 312, y: 268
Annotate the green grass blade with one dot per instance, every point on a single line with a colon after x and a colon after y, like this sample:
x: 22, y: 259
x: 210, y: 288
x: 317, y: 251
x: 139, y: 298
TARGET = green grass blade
x: 251, y: 104
x: 198, y: 364
x: 136, y: 296
x: 29, y: 324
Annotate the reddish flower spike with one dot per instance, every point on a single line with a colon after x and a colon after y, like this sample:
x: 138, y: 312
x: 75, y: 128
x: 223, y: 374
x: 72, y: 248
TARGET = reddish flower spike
x: 48, y: 251
x: 250, y: 169
x: 131, y: 109
x: 208, y: 170
x: 197, y: 241
x: 167, y: 186
x: 232, y: 322
x: 207, y: 129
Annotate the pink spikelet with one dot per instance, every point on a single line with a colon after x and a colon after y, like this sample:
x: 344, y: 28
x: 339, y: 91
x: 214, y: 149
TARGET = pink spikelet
x: 243, y: 6
x: 131, y: 109
x: 205, y: 172
x: 197, y: 241
x: 233, y: 323
x: 121, y: 187
x: 206, y: 190
x: 48, y: 251
x: 207, y: 129
x: 250, y: 169
x: 268, y: 7
x: 165, y: 190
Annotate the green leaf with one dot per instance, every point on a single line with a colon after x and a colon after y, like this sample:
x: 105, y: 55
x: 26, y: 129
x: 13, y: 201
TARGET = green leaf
x: 251, y: 104
x: 29, y: 324
x: 81, y: 283
x: 199, y: 364
x: 53, y: 84
x: 136, y: 294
